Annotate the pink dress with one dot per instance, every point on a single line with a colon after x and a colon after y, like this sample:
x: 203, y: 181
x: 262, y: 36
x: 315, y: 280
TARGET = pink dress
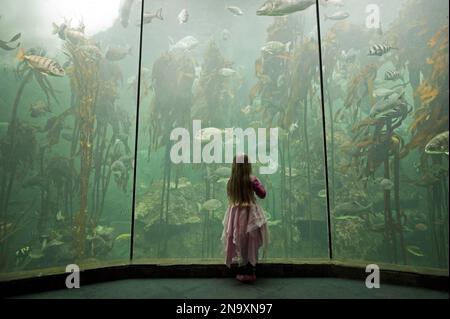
x: 245, y: 230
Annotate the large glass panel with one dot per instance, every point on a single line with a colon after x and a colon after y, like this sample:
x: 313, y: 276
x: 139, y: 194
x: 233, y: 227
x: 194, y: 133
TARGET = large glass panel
x: 220, y: 63
x: 386, y: 74
x: 67, y: 134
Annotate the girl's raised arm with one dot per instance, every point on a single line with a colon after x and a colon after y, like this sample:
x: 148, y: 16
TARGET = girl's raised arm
x: 258, y: 187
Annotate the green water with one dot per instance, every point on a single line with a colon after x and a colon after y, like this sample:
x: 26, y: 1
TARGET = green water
x: 68, y: 176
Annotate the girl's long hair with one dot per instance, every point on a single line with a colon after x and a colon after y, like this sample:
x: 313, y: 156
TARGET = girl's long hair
x: 239, y: 187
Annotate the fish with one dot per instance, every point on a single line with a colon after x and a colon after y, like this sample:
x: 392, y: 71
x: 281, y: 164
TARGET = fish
x: 438, y: 144
x: 383, y: 92
x: 293, y: 127
x: 124, y: 12
x: 210, y: 205
x: 352, y: 207
x: 421, y: 227
x: 226, y: 34
x: 4, y: 44
x: 75, y: 36
x: 183, y: 17
x: 186, y: 44
x: 117, y: 53
x: 223, y: 180
x: 193, y: 220
x: 236, y: 11
x: 23, y: 252
x: 103, y: 230
x: 276, y: 47
x: 41, y: 64
x: 386, y: 184
x: 380, y: 49
x: 5, y: 227
x: 226, y: 72
x: 414, y: 250
x: 322, y: 193
x: 118, y: 168
x: 246, y: 110
x: 125, y: 236
x: 36, y: 255
x: 392, y: 75
x: 386, y: 104
x: 336, y: 3
x: 54, y: 242
x: 283, y: 7
x: 59, y: 216
x: 337, y: 16
x: 39, y: 108
x: 149, y: 16
x: 347, y: 218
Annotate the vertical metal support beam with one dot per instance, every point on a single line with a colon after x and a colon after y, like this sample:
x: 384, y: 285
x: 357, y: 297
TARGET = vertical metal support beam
x: 133, y: 210
x: 330, y: 246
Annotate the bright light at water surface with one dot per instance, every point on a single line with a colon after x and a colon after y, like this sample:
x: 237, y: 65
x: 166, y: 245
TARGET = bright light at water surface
x: 97, y: 15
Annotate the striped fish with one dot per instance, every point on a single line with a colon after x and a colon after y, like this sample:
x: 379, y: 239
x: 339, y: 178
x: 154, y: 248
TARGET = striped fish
x: 380, y: 49
x: 42, y: 64
x: 392, y: 75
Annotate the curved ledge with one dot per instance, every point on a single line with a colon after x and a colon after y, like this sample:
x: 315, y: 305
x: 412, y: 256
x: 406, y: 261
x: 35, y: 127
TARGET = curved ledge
x: 135, y: 271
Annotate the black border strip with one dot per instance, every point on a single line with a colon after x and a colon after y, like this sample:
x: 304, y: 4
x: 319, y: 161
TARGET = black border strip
x: 324, y: 132
x: 139, y: 271
x: 138, y: 104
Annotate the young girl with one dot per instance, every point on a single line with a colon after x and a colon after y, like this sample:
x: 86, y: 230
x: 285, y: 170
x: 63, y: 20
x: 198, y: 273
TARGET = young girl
x: 245, y: 226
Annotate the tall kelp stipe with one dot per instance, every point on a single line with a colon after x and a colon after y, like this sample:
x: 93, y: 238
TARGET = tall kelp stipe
x: 84, y: 82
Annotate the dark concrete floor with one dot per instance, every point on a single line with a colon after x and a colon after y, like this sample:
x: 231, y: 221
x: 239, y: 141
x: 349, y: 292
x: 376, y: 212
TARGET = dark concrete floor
x: 229, y: 288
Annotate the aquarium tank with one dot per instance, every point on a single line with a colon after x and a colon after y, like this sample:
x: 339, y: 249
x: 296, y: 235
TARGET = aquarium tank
x: 117, y: 119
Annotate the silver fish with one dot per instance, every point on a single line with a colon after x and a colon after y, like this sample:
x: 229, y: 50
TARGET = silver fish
x: 380, y: 49
x: 387, y: 104
x: 235, y: 10
x: 117, y: 53
x: 340, y: 15
x: 149, y: 16
x: 276, y: 47
x: 351, y: 208
x: 386, y: 184
x: 337, y: 3
x: 186, y: 44
x: 183, y: 17
x: 283, y: 7
x: 438, y: 144
x: 226, y: 72
x: 382, y: 92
